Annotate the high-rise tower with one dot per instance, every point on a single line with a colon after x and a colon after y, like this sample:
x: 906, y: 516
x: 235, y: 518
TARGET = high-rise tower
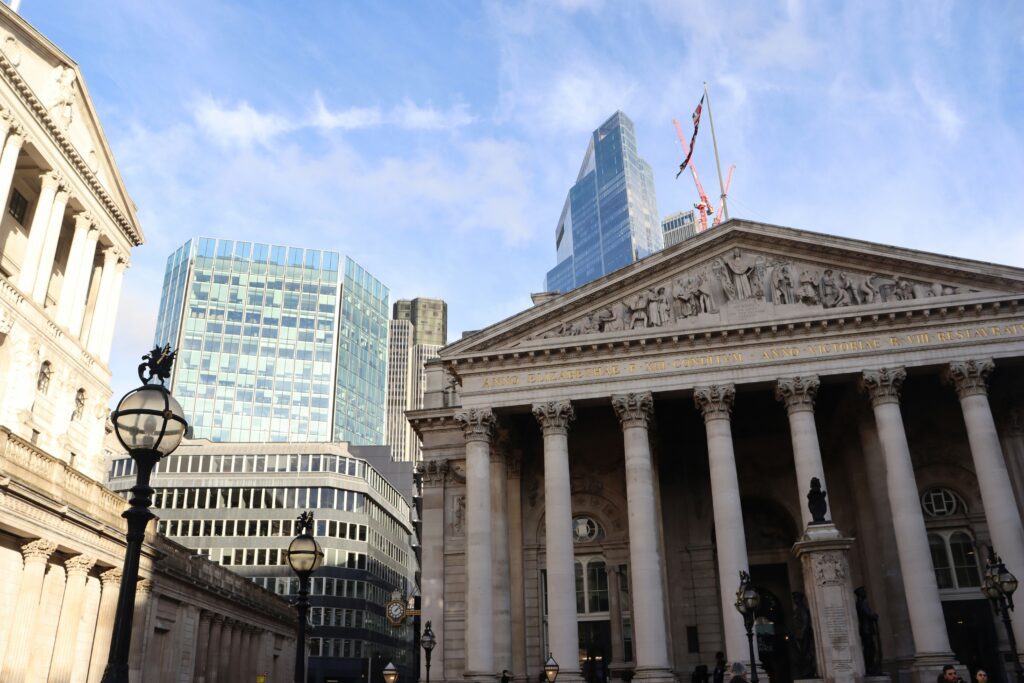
x: 429, y: 318
x: 610, y: 217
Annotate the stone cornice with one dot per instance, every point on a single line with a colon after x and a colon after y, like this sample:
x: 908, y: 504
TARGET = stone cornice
x: 969, y: 377
x: 62, y: 142
x: 554, y: 416
x: 439, y: 419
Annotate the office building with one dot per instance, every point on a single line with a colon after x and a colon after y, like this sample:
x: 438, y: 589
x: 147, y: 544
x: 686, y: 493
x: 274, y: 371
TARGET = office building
x: 678, y: 226
x: 275, y: 343
x: 399, y: 434
x: 237, y: 505
x: 610, y: 216
x: 429, y: 318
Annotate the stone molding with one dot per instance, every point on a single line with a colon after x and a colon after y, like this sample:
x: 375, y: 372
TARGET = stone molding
x: 969, y: 377
x: 477, y: 424
x: 798, y: 393
x: 554, y: 417
x: 144, y: 586
x: 111, y: 577
x: 79, y: 565
x: 38, y: 550
x: 715, y: 401
x: 883, y: 385
x: 634, y: 410
x: 434, y: 472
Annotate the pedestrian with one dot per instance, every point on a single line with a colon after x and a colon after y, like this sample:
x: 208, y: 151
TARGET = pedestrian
x: 739, y: 673
x: 980, y: 676
x: 949, y: 675
x: 718, y: 674
x: 506, y: 677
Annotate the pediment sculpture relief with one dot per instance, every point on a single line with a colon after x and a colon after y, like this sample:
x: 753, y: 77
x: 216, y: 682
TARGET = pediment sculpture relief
x: 742, y: 278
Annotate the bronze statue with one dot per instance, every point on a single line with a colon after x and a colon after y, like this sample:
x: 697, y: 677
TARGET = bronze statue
x: 804, y: 660
x: 867, y: 625
x: 816, y: 502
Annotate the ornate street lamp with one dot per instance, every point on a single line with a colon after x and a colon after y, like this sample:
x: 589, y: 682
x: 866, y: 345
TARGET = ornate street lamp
x: 998, y: 587
x: 390, y: 673
x: 150, y: 424
x: 428, y: 641
x: 551, y: 669
x: 747, y: 601
x: 304, y: 557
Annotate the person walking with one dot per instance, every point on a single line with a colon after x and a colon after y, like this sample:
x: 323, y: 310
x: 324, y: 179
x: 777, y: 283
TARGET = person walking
x: 718, y: 674
x: 739, y: 673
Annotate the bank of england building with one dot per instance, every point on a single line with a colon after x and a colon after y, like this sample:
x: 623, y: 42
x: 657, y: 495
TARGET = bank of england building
x: 599, y: 469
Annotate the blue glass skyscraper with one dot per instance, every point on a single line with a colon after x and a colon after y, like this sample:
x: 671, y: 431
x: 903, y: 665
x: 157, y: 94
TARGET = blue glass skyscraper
x: 275, y: 343
x: 610, y: 217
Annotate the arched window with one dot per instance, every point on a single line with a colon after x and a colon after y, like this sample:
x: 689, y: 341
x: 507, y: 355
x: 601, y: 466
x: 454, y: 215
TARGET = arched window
x: 955, y: 559
x: 79, y: 410
x: 43, y: 380
x: 941, y: 502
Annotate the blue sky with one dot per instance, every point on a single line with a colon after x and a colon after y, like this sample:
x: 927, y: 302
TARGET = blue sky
x: 434, y: 142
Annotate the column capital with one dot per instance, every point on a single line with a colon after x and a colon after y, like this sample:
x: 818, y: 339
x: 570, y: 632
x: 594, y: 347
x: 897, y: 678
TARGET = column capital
x: 16, y: 136
x: 969, y: 377
x: 634, y: 410
x: 205, y: 615
x: 144, y: 586
x: 798, y: 393
x: 84, y: 220
x: 218, y: 618
x: 715, y: 401
x: 62, y: 196
x: 79, y: 565
x: 52, y: 180
x: 111, y: 576
x: 477, y: 423
x: 883, y: 385
x: 554, y: 416
x: 39, y: 550
x: 110, y: 256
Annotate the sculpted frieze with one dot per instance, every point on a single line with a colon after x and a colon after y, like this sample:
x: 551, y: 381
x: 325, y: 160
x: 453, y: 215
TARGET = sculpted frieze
x: 743, y: 279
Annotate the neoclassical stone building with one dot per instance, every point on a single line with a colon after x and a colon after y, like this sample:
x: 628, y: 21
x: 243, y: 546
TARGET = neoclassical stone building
x: 598, y: 469
x: 65, y: 234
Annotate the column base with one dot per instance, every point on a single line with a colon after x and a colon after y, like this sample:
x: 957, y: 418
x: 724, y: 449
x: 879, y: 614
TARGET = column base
x: 480, y: 676
x: 882, y: 678
x: 653, y: 675
x: 927, y: 666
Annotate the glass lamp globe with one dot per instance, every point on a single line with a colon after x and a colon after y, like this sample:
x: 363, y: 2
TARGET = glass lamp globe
x: 1007, y: 582
x: 990, y: 589
x: 305, y: 554
x: 390, y: 673
x: 149, y: 418
x: 751, y: 599
x: 551, y: 669
x: 428, y: 640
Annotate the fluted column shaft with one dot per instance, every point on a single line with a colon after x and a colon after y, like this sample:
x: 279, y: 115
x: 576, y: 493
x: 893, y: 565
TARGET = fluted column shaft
x: 9, y: 161
x: 235, y: 657
x: 83, y: 223
x: 110, y: 319
x: 30, y: 590
x: 927, y: 624
x: 70, y: 615
x: 798, y: 394
x: 515, y: 546
x: 615, y: 614
x: 478, y: 426
x: 244, y: 660
x: 49, y: 251
x: 213, y: 654
x: 730, y: 540
x: 111, y: 580
x: 563, y: 635
x: 37, y: 232
x: 501, y: 579
x: 98, y: 326
x: 202, y: 646
x: 80, y: 293
x: 997, y: 499
x: 645, y: 563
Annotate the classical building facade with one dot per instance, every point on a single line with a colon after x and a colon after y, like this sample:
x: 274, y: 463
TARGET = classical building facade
x: 600, y: 468
x: 67, y: 228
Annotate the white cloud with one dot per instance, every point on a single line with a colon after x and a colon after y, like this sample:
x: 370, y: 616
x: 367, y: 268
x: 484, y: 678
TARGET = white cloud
x: 240, y: 125
x: 941, y: 111
x: 412, y: 116
x: 345, y: 119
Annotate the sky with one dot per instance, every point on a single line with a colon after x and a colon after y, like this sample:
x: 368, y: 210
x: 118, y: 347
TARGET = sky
x: 434, y: 142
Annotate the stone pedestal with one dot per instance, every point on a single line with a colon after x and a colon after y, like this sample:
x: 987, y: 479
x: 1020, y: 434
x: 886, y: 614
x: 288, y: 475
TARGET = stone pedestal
x: 823, y: 555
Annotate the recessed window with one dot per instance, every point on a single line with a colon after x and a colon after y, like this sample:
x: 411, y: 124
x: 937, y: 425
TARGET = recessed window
x: 954, y: 559
x: 18, y: 206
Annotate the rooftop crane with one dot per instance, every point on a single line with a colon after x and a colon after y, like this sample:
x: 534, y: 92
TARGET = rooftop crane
x: 725, y: 191
x: 704, y: 207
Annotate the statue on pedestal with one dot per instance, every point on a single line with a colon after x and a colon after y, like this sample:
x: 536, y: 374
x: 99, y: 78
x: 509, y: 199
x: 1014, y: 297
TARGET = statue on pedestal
x: 816, y: 502
x: 804, y: 660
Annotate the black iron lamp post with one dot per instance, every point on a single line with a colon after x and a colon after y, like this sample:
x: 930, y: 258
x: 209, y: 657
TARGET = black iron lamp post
x: 551, y: 669
x: 304, y: 557
x: 428, y: 641
x: 390, y: 673
x: 150, y: 424
x: 747, y: 601
x: 999, y: 587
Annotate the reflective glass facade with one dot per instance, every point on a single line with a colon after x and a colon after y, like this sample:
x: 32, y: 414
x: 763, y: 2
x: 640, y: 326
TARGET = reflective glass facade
x: 258, y: 328
x: 610, y: 217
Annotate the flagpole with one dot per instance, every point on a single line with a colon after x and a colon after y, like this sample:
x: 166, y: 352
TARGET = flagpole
x: 714, y: 142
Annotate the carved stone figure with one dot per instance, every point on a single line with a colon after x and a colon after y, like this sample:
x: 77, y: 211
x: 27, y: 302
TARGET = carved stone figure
x: 816, y: 502
x: 43, y: 379
x: 782, y: 285
x: 868, y: 292
x: 637, y: 307
x: 903, y: 290
x: 719, y: 269
x: 807, y: 292
x: 62, y: 109
x: 459, y: 521
x: 867, y: 625
x: 665, y: 306
x: 848, y: 288
x: 654, y: 310
x: 804, y: 659
x: 743, y: 273
x: 830, y: 292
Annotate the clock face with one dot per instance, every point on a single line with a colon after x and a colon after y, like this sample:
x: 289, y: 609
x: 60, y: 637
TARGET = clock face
x: 395, y: 611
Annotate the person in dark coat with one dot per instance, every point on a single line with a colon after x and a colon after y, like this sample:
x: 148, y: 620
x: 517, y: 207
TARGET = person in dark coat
x: 718, y: 674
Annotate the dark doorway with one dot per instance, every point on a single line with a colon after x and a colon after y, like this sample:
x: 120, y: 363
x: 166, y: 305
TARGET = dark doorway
x: 773, y: 617
x: 972, y: 635
x: 595, y: 650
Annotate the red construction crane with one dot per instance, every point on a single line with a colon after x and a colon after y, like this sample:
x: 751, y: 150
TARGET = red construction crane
x: 721, y: 205
x: 704, y: 207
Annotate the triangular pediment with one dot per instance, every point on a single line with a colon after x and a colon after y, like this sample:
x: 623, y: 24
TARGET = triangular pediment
x: 746, y: 274
x: 51, y: 87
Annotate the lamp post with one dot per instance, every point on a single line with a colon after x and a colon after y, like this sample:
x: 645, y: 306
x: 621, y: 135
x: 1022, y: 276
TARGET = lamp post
x: 551, y: 669
x: 150, y: 424
x: 999, y: 586
x: 747, y: 601
x: 304, y: 557
x: 428, y: 641
x: 390, y: 673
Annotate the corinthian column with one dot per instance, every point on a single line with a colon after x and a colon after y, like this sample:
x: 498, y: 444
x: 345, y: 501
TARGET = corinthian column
x: 927, y: 625
x: 49, y: 250
x: 213, y: 653
x: 9, y: 160
x: 30, y: 590
x: 478, y: 426
x: 715, y: 402
x: 645, y: 562
x: 1001, y: 515
x: 563, y: 636
x: 798, y: 394
x: 70, y: 289
x: 202, y: 646
x: 500, y: 578
x: 111, y: 584
x: 49, y: 182
x: 104, y: 301
x: 70, y: 615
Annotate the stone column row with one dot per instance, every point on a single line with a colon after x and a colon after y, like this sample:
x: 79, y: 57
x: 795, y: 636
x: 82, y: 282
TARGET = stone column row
x: 227, y: 650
